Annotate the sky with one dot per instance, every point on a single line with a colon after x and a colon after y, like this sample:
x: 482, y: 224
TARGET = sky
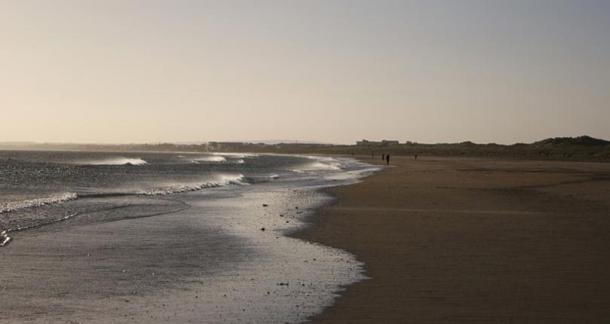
x: 125, y: 71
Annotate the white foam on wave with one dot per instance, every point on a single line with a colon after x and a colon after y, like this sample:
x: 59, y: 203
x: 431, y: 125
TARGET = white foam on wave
x: 11, y: 206
x: 215, y: 158
x: 319, y: 163
x: 217, y: 181
x: 324, y: 166
x: 212, y: 159
x: 227, y: 179
x: 114, y: 161
x: 4, y: 239
x: 235, y: 155
x: 255, y: 179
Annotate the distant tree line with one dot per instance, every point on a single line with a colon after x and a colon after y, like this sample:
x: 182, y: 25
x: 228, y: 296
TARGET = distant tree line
x: 582, y: 148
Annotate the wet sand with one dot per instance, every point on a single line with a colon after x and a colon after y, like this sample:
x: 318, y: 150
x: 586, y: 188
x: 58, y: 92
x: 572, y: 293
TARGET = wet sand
x: 474, y: 241
x: 198, y: 260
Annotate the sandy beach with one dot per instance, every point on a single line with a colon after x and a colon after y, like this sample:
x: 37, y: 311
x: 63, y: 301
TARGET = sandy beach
x: 442, y: 240
x: 473, y: 241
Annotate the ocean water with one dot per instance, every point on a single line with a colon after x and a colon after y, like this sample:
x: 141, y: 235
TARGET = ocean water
x: 205, y: 233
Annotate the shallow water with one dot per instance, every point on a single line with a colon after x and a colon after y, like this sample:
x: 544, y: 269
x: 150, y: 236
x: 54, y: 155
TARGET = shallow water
x: 150, y: 251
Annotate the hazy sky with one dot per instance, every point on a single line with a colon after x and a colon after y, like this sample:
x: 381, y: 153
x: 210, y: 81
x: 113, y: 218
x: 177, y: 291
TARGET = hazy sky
x: 329, y: 71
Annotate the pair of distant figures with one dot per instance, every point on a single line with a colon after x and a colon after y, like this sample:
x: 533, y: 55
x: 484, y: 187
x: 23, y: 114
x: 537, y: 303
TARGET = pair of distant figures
x: 386, y: 157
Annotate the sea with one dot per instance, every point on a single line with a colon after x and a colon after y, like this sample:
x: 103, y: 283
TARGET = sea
x: 206, y: 233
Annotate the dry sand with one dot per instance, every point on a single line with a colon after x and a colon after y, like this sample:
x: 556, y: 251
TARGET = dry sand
x: 472, y: 240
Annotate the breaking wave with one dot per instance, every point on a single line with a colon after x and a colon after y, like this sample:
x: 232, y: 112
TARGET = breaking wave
x: 262, y: 178
x: 37, y: 202
x: 319, y: 164
x: 236, y: 159
x: 212, y: 159
x: 235, y: 155
x: 215, y: 182
x: 219, y: 181
x: 114, y: 161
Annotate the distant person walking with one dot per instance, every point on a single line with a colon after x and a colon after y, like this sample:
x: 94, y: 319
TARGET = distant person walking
x: 387, y: 159
x: 415, y: 156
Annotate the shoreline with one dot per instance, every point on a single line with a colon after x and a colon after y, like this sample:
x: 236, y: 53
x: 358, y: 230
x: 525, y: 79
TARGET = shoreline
x: 472, y: 240
x: 226, y: 258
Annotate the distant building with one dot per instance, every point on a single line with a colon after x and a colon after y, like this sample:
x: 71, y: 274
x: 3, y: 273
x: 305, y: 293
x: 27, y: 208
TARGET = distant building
x: 377, y: 143
x: 365, y: 143
x: 390, y: 142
